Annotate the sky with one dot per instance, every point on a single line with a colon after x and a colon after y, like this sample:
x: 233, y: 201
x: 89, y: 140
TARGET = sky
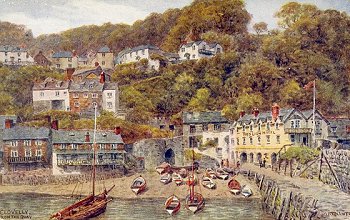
x: 53, y: 16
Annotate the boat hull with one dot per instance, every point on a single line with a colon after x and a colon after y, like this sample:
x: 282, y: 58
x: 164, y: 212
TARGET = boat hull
x: 138, y: 185
x: 234, y: 186
x: 246, y: 191
x: 196, y: 204
x: 172, y: 205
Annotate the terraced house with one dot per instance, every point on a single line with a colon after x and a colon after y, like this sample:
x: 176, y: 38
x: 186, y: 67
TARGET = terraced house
x: 64, y: 59
x: 15, y: 56
x: 73, y: 151
x: 258, y: 136
x: 26, y: 148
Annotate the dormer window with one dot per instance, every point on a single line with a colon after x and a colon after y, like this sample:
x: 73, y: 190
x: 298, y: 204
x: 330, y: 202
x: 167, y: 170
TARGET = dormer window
x: 333, y: 129
x: 182, y: 49
x: 58, y: 84
x: 103, y: 54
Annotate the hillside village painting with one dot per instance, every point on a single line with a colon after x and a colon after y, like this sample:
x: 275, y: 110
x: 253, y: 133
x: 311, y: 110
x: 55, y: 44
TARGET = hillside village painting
x: 178, y: 109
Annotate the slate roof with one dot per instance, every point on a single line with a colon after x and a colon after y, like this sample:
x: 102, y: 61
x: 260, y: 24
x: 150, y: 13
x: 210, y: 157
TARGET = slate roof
x: 9, y: 48
x: 25, y: 133
x: 86, y: 86
x: 110, y: 86
x: 62, y: 54
x: 141, y: 47
x: 51, y: 84
x: 264, y: 116
x: 78, y: 136
x: 4, y: 117
x: 203, y: 117
x: 104, y: 49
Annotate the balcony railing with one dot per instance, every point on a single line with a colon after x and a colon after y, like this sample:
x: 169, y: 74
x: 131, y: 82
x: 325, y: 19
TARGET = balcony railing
x: 206, y: 52
x: 101, y: 151
x: 25, y: 159
x: 85, y: 162
x: 298, y: 130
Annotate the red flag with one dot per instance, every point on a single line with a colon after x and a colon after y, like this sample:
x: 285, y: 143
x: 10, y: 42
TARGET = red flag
x: 309, y: 85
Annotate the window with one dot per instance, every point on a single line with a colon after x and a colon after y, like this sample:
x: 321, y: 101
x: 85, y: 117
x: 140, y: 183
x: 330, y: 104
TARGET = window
x: 69, y: 59
x: 243, y: 141
x: 278, y: 139
x: 259, y: 127
x: 64, y: 93
x: 268, y: 126
x: 216, y: 140
x: 58, y: 65
x: 194, y: 56
x: 333, y: 129
x: 86, y: 95
x: 143, y: 52
x: 103, y: 54
x: 5, y: 54
x: 42, y: 94
x: 251, y: 127
x: 94, y: 95
x: 243, y: 128
x: 218, y: 50
x: 237, y: 141
x: 75, y: 95
x: 38, y: 153
x: 217, y: 127
x: 85, y: 62
x: 297, y: 123
x: 259, y: 140
x: 113, y: 146
x: 109, y: 95
x: 130, y: 54
x: 57, y: 93
x: 102, y: 146
x: 27, y: 153
x: 14, y: 153
x: 74, y: 146
x: 26, y: 142
x: 94, y: 104
x: 69, y: 65
x: 5, y: 60
x: 183, y: 49
x: 38, y: 142
x: 268, y: 139
x: 76, y: 104
x: 193, y: 47
x: 63, y: 146
x: 103, y: 63
x: 318, y: 128
x: 251, y: 140
x: 205, y: 127
x: 192, y: 129
x: 19, y: 54
x: 277, y: 126
x: 232, y: 141
x: 292, y: 138
x: 19, y: 60
x: 109, y: 105
x: 14, y: 143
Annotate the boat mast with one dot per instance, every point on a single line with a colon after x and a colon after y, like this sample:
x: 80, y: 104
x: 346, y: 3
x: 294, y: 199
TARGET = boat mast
x: 94, y: 155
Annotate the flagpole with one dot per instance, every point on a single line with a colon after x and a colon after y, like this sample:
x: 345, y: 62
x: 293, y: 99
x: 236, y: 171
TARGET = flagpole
x: 313, y: 113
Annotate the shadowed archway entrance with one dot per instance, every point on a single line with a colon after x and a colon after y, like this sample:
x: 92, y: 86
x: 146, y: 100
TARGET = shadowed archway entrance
x: 169, y: 156
x: 251, y: 158
x: 243, y: 157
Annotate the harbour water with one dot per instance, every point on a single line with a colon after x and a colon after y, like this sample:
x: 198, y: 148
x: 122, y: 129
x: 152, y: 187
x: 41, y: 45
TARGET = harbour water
x: 38, y: 207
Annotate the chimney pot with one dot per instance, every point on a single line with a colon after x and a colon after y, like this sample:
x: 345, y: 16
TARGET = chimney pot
x: 102, y: 77
x: 255, y: 112
x: 54, y: 125
x: 117, y: 130
x: 275, y: 111
x: 241, y: 114
x: 69, y: 73
x: 96, y: 64
x: 8, y: 123
x: 87, y: 137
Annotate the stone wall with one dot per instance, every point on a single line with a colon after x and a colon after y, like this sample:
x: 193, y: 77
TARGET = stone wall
x: 282, y: 203
x: 156, y: 151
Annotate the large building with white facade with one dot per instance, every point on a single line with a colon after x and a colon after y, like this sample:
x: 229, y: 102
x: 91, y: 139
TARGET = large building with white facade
x: 10, y: 55
x: 195, y: 50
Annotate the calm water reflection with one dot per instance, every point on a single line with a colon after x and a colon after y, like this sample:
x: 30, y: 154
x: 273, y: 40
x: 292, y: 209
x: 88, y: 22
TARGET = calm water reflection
x: 41, y: 206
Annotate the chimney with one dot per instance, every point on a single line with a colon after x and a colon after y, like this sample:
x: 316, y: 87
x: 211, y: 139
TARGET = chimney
x: 96, y: 64
x: 241, y: 114
x: 8, y: 123
x: 275, y: 111
x: 255, y: 112
x: 54, y: 125
x: 102, y: 77
x: 69, y: 73
x: 117, y: 130
x: 87, y: 137
x: 74, y: 53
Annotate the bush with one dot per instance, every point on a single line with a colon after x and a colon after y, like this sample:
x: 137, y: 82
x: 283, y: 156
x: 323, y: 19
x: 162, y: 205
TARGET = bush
x: 301, y: 154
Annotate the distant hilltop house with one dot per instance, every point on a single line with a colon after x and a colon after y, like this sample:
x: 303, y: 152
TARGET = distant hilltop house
x: 80, y: 96
x: 195, y: 50
x: 149, y: 52
x: 15, y: 56
x: 105, y: 58
x: 41, y: 60
x: 64, y: 59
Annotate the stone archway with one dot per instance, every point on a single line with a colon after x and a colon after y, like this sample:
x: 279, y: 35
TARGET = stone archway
x: 169, y: 156
x: 251, y: 158
x: 243, y: 157
x: 259, y: 157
